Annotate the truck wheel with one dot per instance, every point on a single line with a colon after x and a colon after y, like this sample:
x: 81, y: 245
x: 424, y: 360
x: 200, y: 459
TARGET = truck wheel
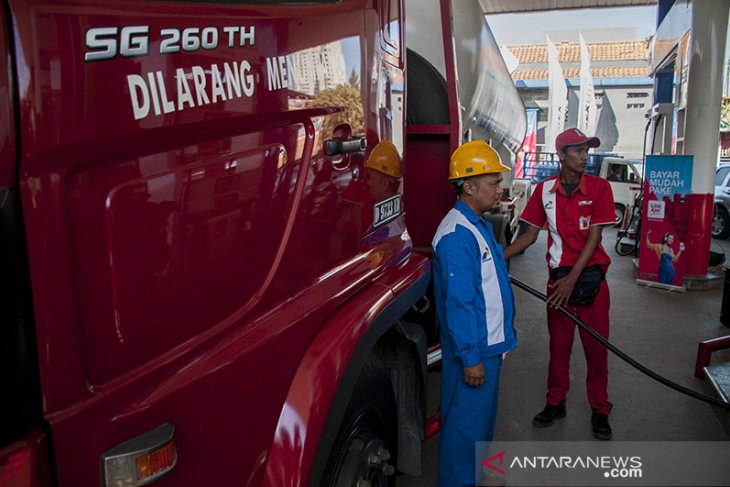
x: 720, y: 223
x: 620, y: 211
x: 366, y: 445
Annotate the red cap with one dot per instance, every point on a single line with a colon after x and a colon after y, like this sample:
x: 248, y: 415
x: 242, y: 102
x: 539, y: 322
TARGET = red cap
x: 574, y: 137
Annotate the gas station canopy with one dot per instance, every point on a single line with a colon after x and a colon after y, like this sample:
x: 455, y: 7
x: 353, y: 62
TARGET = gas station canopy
x: 524, y: 6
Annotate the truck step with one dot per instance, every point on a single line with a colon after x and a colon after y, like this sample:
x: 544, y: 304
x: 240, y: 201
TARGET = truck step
x: 718, y: 385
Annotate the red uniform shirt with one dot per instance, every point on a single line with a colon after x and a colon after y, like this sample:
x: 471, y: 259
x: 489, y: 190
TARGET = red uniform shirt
x: 568, y: 218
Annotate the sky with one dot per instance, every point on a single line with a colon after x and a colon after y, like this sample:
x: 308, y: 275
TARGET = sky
x: 629, y: 23
x: 606, y: 24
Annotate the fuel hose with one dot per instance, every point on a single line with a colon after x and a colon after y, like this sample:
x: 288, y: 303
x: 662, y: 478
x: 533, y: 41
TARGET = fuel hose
x: 615, y: 350
x: 638, y: 198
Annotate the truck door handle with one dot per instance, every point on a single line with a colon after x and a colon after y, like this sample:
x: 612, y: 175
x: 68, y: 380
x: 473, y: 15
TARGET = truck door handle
x: 335, y: 147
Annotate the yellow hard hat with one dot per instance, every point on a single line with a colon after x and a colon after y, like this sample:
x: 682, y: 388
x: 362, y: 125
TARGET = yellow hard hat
x: 385, y: 159
x: 474, y: 158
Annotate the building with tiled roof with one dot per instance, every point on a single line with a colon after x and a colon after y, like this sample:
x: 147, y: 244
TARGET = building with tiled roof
x: 618, y: 59
x: 623, y: 88
x: 569, y: 52
x: 600, y: 72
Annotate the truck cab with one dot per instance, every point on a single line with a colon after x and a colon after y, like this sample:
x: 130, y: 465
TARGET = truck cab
x: 624, y: 175
x: 203, y: 280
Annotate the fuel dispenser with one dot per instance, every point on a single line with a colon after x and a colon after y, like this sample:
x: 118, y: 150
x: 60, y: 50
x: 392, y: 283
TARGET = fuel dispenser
x: 659, y: 124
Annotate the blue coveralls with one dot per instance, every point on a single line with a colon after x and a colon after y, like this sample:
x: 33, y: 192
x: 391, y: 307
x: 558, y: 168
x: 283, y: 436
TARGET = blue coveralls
x: 475, y: 308
x: 666, y: 267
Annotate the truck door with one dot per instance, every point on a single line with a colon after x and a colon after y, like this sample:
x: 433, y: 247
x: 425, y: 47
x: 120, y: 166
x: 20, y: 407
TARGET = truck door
x: 187, y: 229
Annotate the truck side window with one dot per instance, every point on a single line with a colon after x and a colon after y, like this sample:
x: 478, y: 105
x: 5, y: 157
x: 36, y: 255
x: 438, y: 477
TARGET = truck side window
x: 616, y: 172
x: 633, y: 177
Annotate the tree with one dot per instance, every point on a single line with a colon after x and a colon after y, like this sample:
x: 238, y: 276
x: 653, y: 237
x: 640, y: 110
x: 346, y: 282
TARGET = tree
x: 346, y: 97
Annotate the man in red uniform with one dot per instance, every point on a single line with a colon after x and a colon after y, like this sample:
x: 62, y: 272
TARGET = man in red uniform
x: 575, y: 207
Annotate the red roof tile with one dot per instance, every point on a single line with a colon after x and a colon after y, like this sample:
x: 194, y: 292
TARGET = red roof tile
x: 598, y: 72
x: 570, y: 51
x: 534, y: 58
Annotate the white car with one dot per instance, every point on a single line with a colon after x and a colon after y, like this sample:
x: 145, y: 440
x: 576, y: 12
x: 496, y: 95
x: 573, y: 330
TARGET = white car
x: 625, y: 178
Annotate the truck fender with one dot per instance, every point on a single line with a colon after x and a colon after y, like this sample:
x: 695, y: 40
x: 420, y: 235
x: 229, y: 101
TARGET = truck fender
x: 324, y: 381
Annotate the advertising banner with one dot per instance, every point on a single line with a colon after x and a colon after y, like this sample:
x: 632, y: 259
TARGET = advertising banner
x: 557, y: 95
x: 529, y: 145
x: 664, y: 221
x: 587, y: 108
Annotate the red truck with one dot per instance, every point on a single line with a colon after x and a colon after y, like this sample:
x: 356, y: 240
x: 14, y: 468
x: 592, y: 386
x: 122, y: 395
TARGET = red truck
x: 199, y: 284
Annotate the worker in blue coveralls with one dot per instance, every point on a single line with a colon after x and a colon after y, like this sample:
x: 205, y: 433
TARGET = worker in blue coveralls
x: 475, y: 309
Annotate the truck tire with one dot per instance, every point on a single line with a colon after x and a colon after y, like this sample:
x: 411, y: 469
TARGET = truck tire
x: 428, y: 100
x: 365, y: 449
x: 720, y: 222
x: 620, y: 212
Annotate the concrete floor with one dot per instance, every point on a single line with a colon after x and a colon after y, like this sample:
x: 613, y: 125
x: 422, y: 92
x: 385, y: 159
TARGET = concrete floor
x: 659, y: 329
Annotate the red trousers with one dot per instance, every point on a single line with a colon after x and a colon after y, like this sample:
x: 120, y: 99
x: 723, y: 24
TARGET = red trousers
x: 562, y: 331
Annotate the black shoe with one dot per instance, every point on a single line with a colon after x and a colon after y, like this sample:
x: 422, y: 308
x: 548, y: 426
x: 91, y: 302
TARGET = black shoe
x: 601, y: 428
x: 548, y: 415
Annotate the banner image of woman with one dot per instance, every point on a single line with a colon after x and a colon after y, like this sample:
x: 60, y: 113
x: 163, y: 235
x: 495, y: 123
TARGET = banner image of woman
x: 665, y: 253
x: 664, y: 216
